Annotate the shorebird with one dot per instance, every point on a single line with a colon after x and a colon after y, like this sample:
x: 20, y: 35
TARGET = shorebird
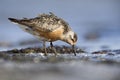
x: 48, y: 27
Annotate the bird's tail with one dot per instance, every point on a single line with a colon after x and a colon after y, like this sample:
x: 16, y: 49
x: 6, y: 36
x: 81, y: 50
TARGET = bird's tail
x: 14, y: 20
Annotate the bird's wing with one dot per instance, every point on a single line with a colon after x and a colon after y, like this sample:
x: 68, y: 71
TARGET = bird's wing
x: 44, y: 22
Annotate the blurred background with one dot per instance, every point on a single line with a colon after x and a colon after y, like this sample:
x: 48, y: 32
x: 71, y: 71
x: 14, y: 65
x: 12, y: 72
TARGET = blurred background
x: 97, y: 22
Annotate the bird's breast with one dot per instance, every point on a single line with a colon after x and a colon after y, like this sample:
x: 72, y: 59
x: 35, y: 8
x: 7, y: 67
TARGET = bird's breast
x: 48, y: 36
x: 53, y: 35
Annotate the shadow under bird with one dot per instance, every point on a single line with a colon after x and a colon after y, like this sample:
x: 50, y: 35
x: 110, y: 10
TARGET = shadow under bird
x: 48, y: 27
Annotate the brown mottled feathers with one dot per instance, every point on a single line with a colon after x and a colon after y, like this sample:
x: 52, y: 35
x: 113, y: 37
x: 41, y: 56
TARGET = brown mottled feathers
x: 43, y: 23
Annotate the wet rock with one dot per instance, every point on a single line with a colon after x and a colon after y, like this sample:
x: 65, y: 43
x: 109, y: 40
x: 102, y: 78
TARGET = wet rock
x: 37, y: 54
x: 108, y: 52
x: 61, y: 50
x: 101, y: 52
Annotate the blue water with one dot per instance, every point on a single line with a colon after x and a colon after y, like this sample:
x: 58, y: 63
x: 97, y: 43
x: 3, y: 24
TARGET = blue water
x: 99, y: 17
x: 83, y: 16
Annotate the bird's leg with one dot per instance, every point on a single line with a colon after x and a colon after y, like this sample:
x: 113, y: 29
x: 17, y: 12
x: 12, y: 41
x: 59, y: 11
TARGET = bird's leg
x: 44, y: 45
x: 52, y: 47
x: 73, y: 48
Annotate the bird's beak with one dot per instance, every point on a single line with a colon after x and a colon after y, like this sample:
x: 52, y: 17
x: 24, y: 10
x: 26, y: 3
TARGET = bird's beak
x: 73, y: 48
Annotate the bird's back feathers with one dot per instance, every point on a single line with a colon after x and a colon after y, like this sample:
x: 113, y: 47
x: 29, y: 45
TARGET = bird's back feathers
x: 43, y: 22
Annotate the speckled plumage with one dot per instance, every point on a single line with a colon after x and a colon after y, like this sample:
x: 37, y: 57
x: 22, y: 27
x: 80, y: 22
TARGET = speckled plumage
x: 44, y: 22
x: 49, y: 27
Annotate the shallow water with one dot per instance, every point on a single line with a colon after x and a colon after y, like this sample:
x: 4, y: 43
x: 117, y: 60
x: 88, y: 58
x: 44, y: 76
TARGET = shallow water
x: 96, y: 24
x: 51, y: 71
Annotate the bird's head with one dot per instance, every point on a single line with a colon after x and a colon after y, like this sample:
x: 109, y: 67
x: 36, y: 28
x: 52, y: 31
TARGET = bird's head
x: 70, y: 37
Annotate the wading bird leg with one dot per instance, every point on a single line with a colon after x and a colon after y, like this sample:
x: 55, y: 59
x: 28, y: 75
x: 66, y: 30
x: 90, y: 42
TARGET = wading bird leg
x: 44, y: 45
x: 52, y: 47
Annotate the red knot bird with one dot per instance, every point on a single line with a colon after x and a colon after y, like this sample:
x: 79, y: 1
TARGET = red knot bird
x: 48, y: 27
